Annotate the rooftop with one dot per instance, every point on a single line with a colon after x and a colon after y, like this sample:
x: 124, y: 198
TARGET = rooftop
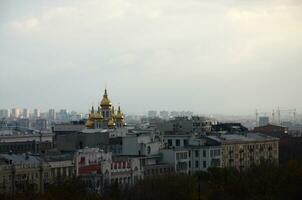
x: 18, y: 159
x: 248, y: 137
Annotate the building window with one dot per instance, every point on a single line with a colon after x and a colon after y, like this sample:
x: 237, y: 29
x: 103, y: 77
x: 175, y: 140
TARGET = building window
x: 204, y: 153
x: 196, y: 164
x: 178, y: 143
x: 170, y: 142
x: 185, y: 142
x: 204, y: 163
x: 196, y: 153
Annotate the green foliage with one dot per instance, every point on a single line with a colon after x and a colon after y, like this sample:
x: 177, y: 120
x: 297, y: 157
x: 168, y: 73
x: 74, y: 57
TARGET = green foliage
x: 180, y: 187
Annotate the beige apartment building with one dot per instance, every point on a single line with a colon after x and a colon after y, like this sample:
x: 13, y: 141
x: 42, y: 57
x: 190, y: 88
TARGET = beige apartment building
x: 23, y: 172
x: 242, y: 151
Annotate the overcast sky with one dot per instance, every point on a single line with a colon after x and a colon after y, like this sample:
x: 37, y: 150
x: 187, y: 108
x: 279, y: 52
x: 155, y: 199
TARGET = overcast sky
x: 222, y: 56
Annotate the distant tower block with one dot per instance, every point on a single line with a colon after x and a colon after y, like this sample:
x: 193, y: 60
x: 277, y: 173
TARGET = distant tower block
x: 263, y: 121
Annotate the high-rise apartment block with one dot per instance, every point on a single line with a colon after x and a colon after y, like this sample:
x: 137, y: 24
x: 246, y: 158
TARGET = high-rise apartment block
x: 52, y: 114
x: 15, y: 113
x: 263, y: 121
x: 36, y: 114
x: 152, y: 113
x: 4, y: 113
x: 25, y: 113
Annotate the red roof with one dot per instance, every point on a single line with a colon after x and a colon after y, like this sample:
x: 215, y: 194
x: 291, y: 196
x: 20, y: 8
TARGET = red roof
x: 89, y: 169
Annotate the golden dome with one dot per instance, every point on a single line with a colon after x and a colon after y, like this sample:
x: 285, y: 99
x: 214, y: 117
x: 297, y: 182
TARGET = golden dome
x: 91, y: 114
x: 89, y: 124
x: 98, y: 116
x: 90, y: 121
x: 111, y: 123
x: 119, y: 114
x: 106, y: 101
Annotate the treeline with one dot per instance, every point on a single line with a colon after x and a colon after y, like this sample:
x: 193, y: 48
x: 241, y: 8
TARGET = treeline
x: 265, y: 182
x: 290, y: 148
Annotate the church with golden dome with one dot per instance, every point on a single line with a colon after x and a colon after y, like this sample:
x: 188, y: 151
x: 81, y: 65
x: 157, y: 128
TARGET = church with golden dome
x: 105, y: 117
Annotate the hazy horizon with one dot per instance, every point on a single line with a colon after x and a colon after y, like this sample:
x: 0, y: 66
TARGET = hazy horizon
x: 228, y: 57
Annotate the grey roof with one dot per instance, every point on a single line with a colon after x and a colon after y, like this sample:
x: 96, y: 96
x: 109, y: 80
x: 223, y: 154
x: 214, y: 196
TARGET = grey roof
x: 59, y: 157
x: 249, y: 137
x: 20, y: 158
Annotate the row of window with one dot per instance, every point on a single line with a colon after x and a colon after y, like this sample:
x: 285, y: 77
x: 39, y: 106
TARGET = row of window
x: 158, y: 171
x: 215, y: 152
x: 204, y: 153
x: 181, y: 155
x: 120, y: 165
x: 177, y: 142
x: 204, y: 164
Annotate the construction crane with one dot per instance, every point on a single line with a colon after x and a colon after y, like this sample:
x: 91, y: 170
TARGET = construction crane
x: 260, y: 113
x: 289, y: 111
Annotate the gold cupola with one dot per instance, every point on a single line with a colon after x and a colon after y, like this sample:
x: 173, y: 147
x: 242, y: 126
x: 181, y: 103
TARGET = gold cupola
x: 90, y: 121
x: 111, y: 123
x: 106, y: 101
x: 98, y: 115
x: 119, y: 114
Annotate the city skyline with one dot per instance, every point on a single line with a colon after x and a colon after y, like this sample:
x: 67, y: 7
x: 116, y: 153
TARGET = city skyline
x: 226, y: 58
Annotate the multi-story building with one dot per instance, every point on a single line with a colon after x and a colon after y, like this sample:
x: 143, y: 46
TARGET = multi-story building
x: 15, y: 113
x: 229, y: 128
x: 242, y: 151
x: 41, y: 124
x: 23, y: 172
x: 98, y: 168
x: 185, y: 125
x: 204, y: 153
x: 272, y: 130
x: 90, y: 165
x: 263, y: 121
x: 152, y: 113
x: 36, y: 114
x: 22, y: 141
x: 25, y: 113
x: 179, y: 140
x: 67, y: 128
x: 61, y: 166
x: 26, y: 172
x: 23, y: 123
x: 141, y: 145
x: 164, y: 114
x: 179, y: 157
x: 4, y: 113
x: 125, y: 170
x: 51, y: 115
x: 80, y: 140
x: 159, y: 169
x: 62, y: 115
